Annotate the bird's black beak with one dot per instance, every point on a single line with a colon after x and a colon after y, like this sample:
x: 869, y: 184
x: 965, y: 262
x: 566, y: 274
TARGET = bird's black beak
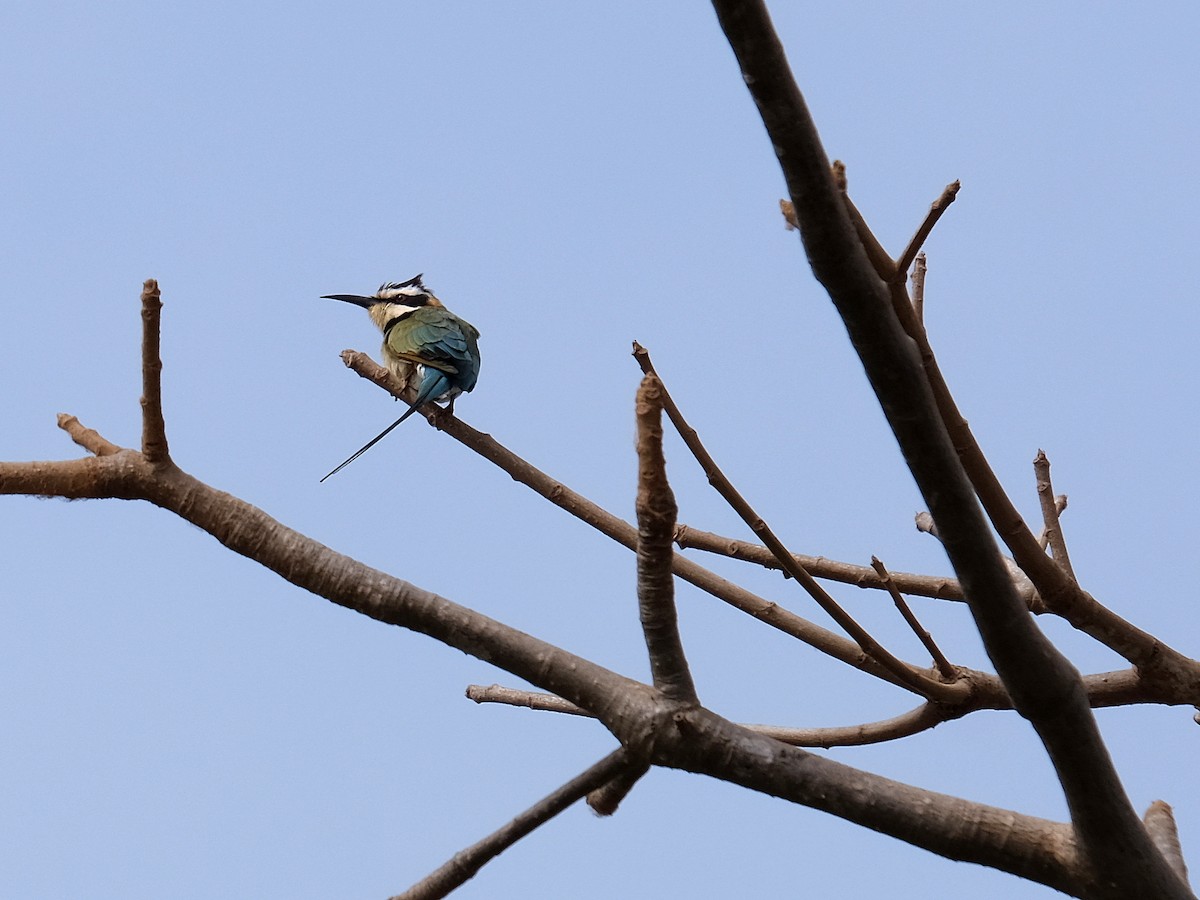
x: 364, y: 302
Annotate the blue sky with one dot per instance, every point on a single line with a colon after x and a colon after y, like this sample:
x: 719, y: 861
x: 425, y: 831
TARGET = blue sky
x: 569, y: 178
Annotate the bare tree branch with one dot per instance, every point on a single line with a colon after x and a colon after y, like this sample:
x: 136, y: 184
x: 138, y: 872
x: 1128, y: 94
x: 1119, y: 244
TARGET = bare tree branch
x: 625, y: 534
x: 1160, y: 823
x: 943, y: 665
x: 1044, y: 686
x: 656, y: 511
x: 937, y: 586
x: 1052, y: 527
x: 938, y: 207
x: 918, y: 289
x: 465, y: 864
x: 154, y: 429
x: 697, y: 740
x: 915, y: 679
x: 923, y: 718
x: 495, y: 693
x: 605, y: 799
x: 1060, y: 505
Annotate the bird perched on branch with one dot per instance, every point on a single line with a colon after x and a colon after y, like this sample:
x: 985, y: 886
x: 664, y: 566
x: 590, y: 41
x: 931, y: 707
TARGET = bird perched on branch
x: 425, y: 346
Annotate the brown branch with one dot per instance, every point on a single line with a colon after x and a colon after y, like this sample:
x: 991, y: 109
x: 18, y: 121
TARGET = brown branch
x: 923, y: 718
x: 918, y: 289
x: 496, y: 693
x: 938, y: 207
x: 154, y: 429
x: 1044, y: 686
x: 605, y: 799
x: 622, y: 532
x: 1055, y: 589
x: 691, y: 739
x: 949, y: 673
x: 1049, y: 588
x: 1110, y: 691
x: 1060, y: 505
x: 87, y: 438
x: 1160, y: 824
x: 917, y: 680
x: 466, y: 863
x: 1052, y: 527
x: 1025, y: 589
x: 937, y: 586
x: 656, y: 511
x: 883, y: 264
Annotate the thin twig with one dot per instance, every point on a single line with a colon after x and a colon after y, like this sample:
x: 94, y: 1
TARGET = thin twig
x: 948, y: 671
x: 1060, y: 505
x: 154, y: 429
x: 496, y: 693
x: 87, y: 438
x: 622, y: 532
x: 940, y: 587
x: 918, y: 288
x: 1054, y: 535
x: 922, y: 718
x: 938, y: 207
x: 656, y: 511
x: 605, y: 799
x: 466, y: 863
x: 919, y: 681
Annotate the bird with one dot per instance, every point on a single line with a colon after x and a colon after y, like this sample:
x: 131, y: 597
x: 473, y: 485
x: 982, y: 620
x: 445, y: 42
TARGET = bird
x: 425, y: 346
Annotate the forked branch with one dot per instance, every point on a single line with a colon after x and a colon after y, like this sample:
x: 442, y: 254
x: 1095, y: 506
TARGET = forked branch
x: 915, y: 679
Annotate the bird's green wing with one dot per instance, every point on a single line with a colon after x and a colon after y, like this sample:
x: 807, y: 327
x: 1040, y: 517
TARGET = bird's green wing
x: 436, y: 337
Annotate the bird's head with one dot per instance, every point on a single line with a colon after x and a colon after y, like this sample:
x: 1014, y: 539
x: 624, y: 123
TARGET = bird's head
x: 393, y: 300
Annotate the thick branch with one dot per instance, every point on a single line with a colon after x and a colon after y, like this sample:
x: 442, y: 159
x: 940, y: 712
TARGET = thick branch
x: 1044, y: 686
x: 656, y: 512
x: 955, y: 828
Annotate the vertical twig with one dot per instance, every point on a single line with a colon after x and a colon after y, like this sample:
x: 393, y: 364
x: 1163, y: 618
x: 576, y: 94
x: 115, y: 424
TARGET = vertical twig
x: 1160, y: 825
x: 1054, y: 535
x: 1060, y: 505
x: 656, y: 512
x: 154, y: 429
x: 918, y: 288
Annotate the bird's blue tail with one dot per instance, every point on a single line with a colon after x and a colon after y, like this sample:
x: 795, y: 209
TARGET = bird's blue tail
x: 434, y: 384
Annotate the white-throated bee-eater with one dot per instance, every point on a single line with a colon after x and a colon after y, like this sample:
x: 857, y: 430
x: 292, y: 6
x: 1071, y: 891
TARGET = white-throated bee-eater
x: 424, y: 345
